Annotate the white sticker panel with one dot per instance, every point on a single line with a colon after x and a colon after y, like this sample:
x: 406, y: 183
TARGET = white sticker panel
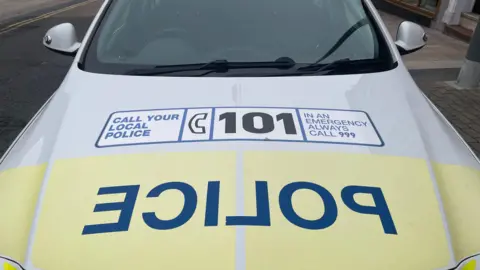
x: 239, y: 124
x: 198, y: 124
x: 140, y: 127
x: 335, y: 126
x: 257, y: 124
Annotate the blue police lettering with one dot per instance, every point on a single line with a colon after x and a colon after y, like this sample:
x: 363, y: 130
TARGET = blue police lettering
x: 185, y: 215
x: 128, y: 126
x: 125, y: 208
x: 329, y: 216
x: 213, y: 203
x: 380, y: 208
x: 263, y: 209
x: 128, y: 134
x: 166, y: 117
x: 129, y: 130
x: 131, y: 119
x: 262, y: 218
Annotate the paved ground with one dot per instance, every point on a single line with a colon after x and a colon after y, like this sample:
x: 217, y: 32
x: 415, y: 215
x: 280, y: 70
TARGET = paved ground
x: 462, y: 109
x: 29, y: 74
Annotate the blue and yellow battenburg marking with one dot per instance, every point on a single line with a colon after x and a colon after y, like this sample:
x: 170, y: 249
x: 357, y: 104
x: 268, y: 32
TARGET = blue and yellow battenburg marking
x: 296, y: 210
x: 262, y: 217
x: 19, y: 189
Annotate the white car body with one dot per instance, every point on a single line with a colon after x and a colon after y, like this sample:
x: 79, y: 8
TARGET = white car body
x: 404, y: 154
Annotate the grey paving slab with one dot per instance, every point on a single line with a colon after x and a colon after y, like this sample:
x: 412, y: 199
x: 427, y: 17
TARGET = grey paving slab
x: 460, y: 107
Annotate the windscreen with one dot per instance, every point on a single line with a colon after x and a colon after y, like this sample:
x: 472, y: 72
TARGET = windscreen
x: 179, y: 32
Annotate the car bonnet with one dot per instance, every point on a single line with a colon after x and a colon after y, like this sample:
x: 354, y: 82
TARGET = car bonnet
x: 333, y: 172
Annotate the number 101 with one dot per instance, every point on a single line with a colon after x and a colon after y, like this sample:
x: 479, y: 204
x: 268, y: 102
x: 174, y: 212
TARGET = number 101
x: 267, y: 122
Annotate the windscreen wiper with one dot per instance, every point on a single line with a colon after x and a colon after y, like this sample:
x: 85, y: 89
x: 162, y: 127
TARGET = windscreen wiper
x: 339, y: 43
x: 341, y: 66
x: 213, y: 66
x: 319, y: 69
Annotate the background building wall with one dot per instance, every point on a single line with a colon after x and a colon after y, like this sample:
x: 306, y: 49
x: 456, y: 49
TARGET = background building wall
x: 454, y: 11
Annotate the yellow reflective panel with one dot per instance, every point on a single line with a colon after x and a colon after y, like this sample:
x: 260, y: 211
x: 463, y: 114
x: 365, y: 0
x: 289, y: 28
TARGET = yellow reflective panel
x: 8, y: 266
x: 266, y: 210
x: 71, y: 197
x: 471, y: 265
x: 460, y: 190
x: 19, y: 190
x: 353, y: 240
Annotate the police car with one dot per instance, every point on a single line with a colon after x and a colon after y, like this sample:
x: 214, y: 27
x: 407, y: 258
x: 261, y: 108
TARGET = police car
x: 238, y: 135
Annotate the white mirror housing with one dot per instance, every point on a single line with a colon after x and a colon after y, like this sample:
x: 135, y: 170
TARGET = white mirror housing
x: 62, y: 38
x: 410, y: 37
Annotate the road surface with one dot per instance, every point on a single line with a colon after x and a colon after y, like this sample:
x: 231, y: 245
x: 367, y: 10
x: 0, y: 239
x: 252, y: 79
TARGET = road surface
x: 29, y: 73
x: 13, y: 9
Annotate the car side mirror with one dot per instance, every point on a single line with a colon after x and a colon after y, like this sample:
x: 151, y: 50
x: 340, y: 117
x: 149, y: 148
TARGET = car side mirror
x: 62, y: 39
x: 410, y: 38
